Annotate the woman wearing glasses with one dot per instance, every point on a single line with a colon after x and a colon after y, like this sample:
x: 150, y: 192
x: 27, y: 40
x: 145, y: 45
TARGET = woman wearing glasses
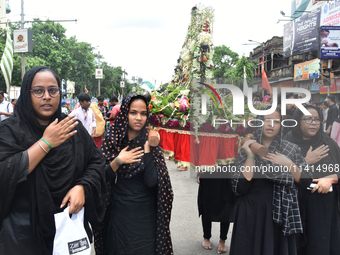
x: 318, y: 203
x: 47, y: 162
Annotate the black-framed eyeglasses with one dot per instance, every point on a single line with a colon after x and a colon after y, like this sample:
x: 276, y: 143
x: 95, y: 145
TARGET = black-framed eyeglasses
x: 40, y: 91
x: 309, y: 120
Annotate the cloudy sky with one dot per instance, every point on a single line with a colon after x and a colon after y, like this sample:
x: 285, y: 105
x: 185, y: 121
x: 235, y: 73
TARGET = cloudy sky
x: 145, y: 37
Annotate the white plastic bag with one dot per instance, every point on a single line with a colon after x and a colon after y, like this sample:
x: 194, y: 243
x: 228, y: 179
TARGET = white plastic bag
x: 70, y: 237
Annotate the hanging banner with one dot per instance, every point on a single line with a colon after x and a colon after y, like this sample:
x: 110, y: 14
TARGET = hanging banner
x: 70, y: 87
x: 22, y: 41
x: 99, y: 73
x: 307, y: 70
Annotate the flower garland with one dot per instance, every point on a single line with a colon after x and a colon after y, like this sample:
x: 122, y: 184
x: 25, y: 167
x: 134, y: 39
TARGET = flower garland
x: 200, y: 31
x: 193, y: 66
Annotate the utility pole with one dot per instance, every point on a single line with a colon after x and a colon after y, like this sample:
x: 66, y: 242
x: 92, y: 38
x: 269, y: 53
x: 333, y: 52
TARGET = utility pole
x: 330, y: 80
x: 98, y: 68
x: 124, y: 81
x: 22, y: 54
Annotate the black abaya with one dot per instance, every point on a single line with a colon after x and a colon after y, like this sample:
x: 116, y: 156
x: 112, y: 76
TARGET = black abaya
x: 320, y: 212
x: 35, y: 198
x: 254, y: 230
x: 267, y: 216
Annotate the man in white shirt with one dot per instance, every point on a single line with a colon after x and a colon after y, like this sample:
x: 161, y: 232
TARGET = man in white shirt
x: 85, y: 114
x: 6, y: 108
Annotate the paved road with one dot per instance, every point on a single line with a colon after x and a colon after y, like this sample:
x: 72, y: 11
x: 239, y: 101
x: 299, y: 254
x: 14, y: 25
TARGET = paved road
x: 186, y: 227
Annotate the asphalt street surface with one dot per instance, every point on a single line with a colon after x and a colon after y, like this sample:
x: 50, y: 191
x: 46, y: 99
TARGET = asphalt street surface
x: 185, y: 226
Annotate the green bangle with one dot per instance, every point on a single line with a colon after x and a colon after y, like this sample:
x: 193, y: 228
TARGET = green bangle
x: 49, y: 145
x: 251, y: 158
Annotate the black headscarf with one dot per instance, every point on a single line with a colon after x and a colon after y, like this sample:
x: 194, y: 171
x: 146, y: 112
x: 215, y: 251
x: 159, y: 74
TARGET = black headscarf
x: 77, y: 161
x: 23, y: 108
x: 285, y: 204
x: 320, y: 138
x: 114, y: 143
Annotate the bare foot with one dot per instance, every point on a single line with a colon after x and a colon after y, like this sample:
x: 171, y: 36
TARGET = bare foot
x: 183, y: 168
x: 221, y: 247
x: 206, y: 244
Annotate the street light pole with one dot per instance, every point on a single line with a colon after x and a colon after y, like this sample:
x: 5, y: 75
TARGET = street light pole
x: 98, y: 68
x: 22, y: 54
x: 262, y: 58
x: 123, y: 90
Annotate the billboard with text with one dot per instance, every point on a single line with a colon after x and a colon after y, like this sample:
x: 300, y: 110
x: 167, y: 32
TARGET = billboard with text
x: 301, y: 35
x: 330, y: 42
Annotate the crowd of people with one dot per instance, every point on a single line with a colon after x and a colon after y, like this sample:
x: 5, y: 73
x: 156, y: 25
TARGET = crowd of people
x: 52, y: 158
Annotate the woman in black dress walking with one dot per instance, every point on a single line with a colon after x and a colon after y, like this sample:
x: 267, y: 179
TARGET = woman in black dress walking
x: 47, y: 161
x: 141, y: 195
x: 319, y: 205
x: 267, y: 214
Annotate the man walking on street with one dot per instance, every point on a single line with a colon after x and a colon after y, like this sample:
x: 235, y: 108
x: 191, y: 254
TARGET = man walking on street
x: 332, y: 114
x: 103, y: 109
x: 6, y: 108
x: 85, y: 114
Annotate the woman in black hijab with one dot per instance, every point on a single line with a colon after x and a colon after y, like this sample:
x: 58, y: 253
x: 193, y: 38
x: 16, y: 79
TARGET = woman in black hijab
x: 47, y: 160
x: 319, y: 205
x: 141, y: 193
x: 267, y: 216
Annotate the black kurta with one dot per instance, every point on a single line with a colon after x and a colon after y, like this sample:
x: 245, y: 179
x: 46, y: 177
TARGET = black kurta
x: 254, y: 230
x: 215, y: 199
x: 267, y: 216
x: 133, y: 212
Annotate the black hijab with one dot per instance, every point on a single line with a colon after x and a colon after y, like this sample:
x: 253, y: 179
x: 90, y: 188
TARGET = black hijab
x: 77, y: 161
x: 320, y: 138
x: 115, y: 141
x: 23, y: 108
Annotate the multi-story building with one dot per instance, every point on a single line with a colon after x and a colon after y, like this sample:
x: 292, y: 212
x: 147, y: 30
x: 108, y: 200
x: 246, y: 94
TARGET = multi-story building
x: 294, y: 59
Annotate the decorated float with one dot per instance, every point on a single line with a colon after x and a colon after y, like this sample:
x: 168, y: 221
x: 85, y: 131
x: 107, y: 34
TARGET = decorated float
x: 188, y: 136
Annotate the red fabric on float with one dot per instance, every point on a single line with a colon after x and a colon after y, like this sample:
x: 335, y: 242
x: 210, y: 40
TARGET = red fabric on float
x: 212, y: 149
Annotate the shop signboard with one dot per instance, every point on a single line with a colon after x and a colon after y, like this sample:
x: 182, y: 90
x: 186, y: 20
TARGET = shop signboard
x: 307, y: 70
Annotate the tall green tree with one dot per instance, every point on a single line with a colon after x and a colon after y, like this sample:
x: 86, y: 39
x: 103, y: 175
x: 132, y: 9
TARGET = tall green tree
x: 224, y: 61
x: 238, y: 74
x: 71, y: 59
x: 82, y: 64
x: 239, y: 69
x: 51, y: 45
